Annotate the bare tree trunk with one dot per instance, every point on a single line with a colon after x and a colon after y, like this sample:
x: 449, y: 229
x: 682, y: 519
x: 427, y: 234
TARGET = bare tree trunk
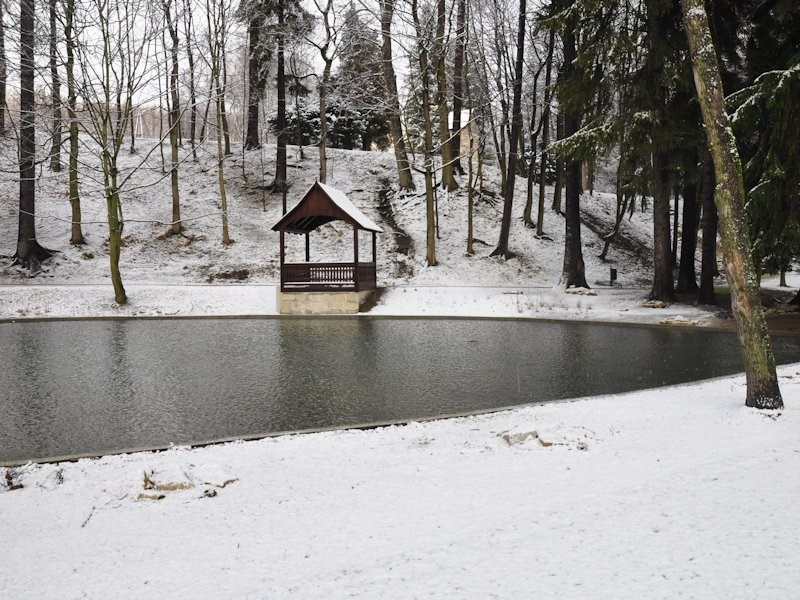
x: 560, y: 174
x: 187, y: 21
x: 398, y: 140
x: 76, y: 237
x: 252, y: 139
x: 545, y: 132
x: 3, y: 69
x: 174, y: 117
x: 530, y: 167
x: 445, y: 147
x: 55, y: 92
x: 216, y: 31
x: 458, y: 86
x: 709, y: 223
x: 763, y: 391
x: 687, y: 275
x: 280, y: 160
x: 223, y: 197
x: 513, y: 147
x: 430, y: 208
x: 327, y: 59
x: 663, y: 288
x: 470, y: 195
x: 115, y: 225
x: 223, y: 58
x: 29, y: 253
x: 323, y: 121
x: 574, y: 269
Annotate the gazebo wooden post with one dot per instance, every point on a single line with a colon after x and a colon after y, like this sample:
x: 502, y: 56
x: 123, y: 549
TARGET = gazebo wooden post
x: 374, y: 249
x: 355, y: 256
x: 308, y: 248
x: 283, y: 255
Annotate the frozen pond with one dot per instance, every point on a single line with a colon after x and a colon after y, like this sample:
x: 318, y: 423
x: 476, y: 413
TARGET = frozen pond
x: 70, y: 387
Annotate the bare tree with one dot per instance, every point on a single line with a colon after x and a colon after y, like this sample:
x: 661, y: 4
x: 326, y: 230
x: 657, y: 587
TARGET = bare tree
x: 424, y: 67
x: 113, y: 52
x: 445, y: 147
x: 545, y: 133
x: 459, y: 74
x: 215, y: 19
x: 174, y: 114
x: 398, y: 140
x: 189, y: 37
x: 3, y: 67
x: 502, y: 248
x: 76, y: 235
x: 55, y: 90
x: 327, y: 51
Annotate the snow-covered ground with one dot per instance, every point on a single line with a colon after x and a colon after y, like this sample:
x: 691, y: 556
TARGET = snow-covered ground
x: 672, y: 493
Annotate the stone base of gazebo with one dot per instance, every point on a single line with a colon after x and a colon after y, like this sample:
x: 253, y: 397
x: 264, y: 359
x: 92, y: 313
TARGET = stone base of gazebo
x: 323, y: 303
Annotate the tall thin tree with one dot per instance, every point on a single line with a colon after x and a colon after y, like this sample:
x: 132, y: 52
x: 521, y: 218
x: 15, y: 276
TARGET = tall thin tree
x: 3, y: 67
x: 55, y: 90
x: 458, y: 86
x: 445, y: 147
x: 76, y: 236
x: 502, y: 248
x: 174, y: 113
x: 406, y: 181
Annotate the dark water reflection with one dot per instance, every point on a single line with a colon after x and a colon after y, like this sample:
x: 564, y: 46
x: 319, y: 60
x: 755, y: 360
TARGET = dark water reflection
x: 94, y: 386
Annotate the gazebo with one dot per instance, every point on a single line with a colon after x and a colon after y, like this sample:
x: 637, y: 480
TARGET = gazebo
x: 322, y: 204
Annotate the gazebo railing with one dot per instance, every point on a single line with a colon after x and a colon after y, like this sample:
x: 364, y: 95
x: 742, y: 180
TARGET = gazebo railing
x: 313, y: 277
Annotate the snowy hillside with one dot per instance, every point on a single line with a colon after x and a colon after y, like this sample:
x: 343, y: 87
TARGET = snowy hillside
x: 198, y: 256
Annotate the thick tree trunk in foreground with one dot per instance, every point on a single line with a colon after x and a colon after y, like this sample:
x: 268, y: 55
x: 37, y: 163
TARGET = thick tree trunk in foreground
x: 759, y: 361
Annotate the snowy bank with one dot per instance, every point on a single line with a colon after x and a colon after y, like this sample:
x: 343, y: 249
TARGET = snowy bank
x: 678, y: 492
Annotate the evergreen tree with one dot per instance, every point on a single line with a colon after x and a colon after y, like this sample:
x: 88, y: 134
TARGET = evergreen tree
x: 281, y: 21
x: 766, y: 126
x: 359, y: 92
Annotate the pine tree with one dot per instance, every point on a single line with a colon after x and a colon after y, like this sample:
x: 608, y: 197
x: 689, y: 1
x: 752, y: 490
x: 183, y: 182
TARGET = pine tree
x: 359, y: 90
x: 766, y: 126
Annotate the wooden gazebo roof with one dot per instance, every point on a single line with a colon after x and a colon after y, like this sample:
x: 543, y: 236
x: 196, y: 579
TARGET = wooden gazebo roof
x: 322, y: 204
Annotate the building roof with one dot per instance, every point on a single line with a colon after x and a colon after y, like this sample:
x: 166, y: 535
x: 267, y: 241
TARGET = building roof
x: 322, y: 204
